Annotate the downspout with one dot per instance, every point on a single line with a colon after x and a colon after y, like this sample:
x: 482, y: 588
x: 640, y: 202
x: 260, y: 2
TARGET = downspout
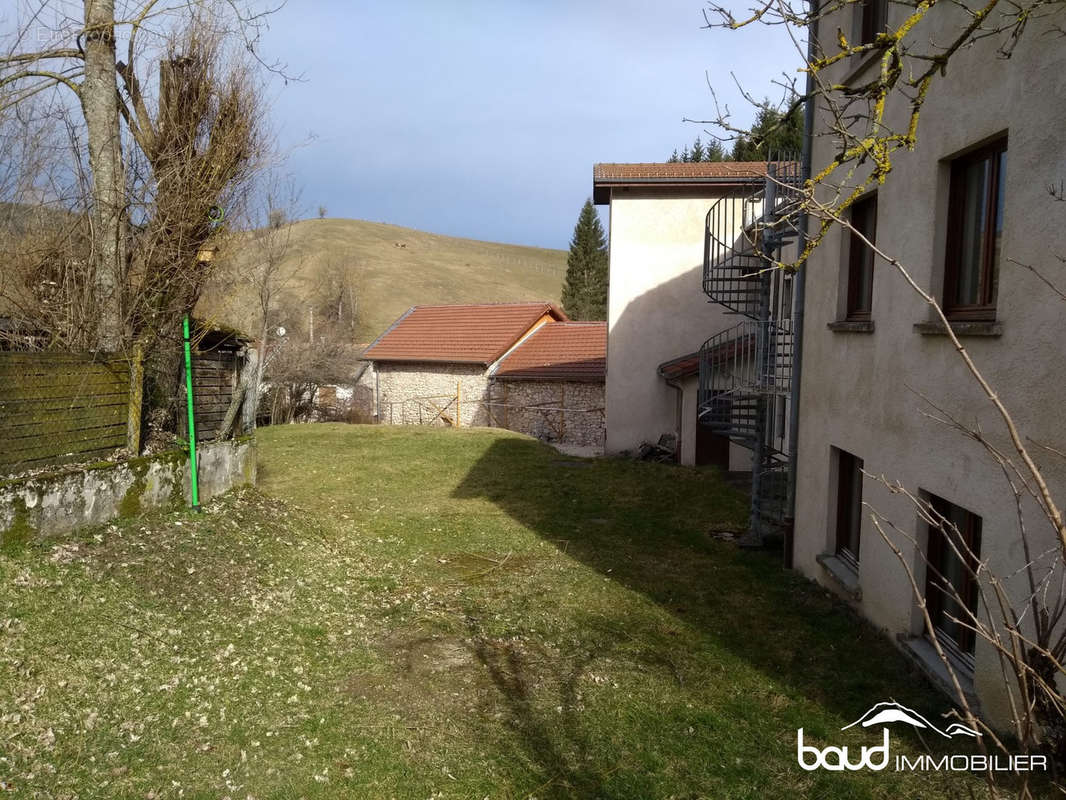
x: 799, y: 300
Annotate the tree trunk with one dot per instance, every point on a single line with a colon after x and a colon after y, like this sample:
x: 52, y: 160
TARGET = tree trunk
x: 99, y: 101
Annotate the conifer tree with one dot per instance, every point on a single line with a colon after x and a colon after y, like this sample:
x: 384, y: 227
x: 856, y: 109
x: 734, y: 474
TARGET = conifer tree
x: 771, y: 137
x: 713, y: 151
x: 585, y: 287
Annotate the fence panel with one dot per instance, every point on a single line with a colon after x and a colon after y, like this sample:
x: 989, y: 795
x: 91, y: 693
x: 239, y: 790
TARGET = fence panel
x: 58, y: 408
x: 215, y: 377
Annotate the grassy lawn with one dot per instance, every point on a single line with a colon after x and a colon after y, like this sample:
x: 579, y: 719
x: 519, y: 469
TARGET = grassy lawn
x: 414, y: 613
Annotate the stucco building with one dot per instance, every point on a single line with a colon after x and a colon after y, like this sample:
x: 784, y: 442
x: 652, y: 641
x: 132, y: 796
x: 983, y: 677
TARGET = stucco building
x: 658, y: 315
x: 963, y: 212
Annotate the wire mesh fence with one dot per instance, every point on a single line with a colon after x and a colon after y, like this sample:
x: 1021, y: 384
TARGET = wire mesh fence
x: 551, y: 419
x: 60, y: 408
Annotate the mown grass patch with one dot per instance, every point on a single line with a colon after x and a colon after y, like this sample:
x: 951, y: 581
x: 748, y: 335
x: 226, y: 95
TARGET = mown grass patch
x: 435, y: 614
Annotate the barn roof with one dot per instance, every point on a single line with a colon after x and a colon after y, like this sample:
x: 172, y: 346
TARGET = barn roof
x: 459, y: 334
x: 572, y: 351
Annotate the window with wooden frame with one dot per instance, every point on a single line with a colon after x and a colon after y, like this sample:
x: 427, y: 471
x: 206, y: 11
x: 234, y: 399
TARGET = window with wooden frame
x: 849, y: 507
x: 861, y: 258
x: 873, y: 19
x: 950, y: 584
x: 975, y: 232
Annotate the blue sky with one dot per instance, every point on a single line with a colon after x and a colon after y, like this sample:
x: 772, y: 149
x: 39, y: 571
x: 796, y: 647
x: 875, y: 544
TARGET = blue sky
x: 483, y: 119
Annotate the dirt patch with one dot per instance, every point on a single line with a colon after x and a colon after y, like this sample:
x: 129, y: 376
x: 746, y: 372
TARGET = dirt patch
x: 437, y: 655
x: 423, y: 672
x: 478, y: 567
x: 366, y: 686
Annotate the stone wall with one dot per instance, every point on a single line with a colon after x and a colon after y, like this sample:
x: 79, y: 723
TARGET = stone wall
x: 61, y: 501
x: 563, y: 412
x: 425, y: 394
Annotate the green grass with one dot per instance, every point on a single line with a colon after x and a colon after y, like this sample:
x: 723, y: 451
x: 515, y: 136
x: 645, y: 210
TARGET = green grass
x: 416, y: 613
x: 429, y: 269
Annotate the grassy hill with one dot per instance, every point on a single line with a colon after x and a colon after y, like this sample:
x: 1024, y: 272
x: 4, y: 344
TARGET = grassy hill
x: 392, y: 269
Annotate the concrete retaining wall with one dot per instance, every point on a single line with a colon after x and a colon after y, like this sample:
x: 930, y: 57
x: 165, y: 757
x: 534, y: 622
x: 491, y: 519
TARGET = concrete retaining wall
x: 62, y: 501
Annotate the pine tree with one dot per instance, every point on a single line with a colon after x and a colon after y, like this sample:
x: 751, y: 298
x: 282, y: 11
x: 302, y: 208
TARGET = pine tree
x: 585, y: 287
x: 713, y: 152
x: 770, y: 137
x: 697, y: 154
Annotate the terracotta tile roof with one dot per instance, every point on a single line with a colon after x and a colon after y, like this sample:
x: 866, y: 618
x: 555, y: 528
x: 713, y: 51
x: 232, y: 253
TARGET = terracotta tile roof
x: 702, y: 175
x: 681, y: 367
x: 468, y: 334
x: 703, y: 170
x: 573, y: 351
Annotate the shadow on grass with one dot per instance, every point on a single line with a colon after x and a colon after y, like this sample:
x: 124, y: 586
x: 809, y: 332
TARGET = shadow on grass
x: 646, y: 526
x: 567, y: 774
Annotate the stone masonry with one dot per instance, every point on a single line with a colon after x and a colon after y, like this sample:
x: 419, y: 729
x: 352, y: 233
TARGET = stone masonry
x: 564, y: 412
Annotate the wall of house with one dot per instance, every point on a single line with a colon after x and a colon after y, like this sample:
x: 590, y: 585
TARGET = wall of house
x: 425, y: 394
x: 657, y: 310
x: 863, y: 392
x: 562, y: 412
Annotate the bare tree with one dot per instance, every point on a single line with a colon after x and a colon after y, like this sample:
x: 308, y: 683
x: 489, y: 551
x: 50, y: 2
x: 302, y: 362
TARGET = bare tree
x: 166, y: 158
x: 273, y: 262
x: 168, y: 161
x: 335, y: 297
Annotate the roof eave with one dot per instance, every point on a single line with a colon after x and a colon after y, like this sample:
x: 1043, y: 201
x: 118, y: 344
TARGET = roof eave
x: 601, y: 187
x: 552, y: 377
x: 427, y: 360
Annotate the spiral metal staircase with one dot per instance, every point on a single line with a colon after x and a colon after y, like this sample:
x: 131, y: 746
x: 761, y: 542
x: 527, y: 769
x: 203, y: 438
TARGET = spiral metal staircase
x: 746, y: 370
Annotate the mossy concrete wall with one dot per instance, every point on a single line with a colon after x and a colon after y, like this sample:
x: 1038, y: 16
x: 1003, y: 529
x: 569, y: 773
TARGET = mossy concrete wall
x: 62, y: 501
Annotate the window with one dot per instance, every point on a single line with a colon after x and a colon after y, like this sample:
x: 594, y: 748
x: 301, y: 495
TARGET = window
x: 873, y: 19
x: 975, y: 231
x: 950, y: 585
x: 849, y: 506
x: 861, y: 258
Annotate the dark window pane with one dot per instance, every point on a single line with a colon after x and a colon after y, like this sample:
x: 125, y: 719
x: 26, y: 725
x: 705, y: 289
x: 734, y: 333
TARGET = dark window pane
x: 861, y: 258
x: 951, y: 589
x: 975, y: 232
x: 849, y: 506
x: 971, y: 239
x: 874, y: 18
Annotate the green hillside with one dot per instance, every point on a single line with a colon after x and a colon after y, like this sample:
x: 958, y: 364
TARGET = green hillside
x: 391, y: 268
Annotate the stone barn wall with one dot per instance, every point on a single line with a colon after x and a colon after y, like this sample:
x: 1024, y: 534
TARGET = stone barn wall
x: 413, y: 394
x: 563, y: 412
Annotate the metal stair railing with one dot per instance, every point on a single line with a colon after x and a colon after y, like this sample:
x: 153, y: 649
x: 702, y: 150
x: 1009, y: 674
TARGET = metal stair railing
x: 732, y: 260
x: 746, y: 371
x: 739, y: 368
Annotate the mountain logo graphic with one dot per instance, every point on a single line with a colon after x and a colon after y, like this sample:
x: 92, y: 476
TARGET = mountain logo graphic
x: 886, y: 713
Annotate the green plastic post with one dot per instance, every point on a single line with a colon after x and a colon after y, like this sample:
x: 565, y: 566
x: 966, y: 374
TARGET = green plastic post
x: 192, y: 419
